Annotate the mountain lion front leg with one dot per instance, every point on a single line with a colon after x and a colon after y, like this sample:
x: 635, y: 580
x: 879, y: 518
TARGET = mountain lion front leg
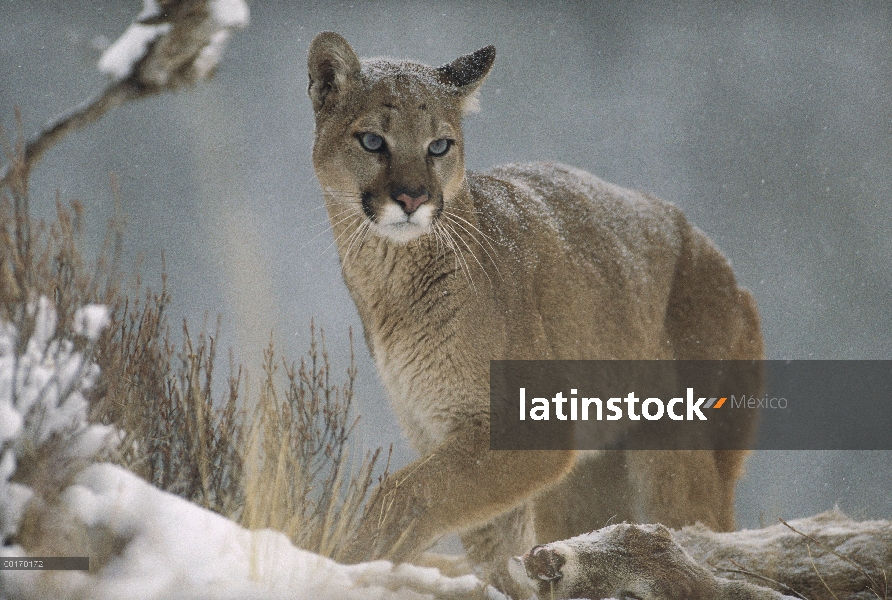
x: 490, y: 547
x: 460, y: 485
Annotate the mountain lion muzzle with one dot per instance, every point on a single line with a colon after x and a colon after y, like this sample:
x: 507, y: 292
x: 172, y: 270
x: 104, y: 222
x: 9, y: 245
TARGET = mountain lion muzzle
x: 451, y: 269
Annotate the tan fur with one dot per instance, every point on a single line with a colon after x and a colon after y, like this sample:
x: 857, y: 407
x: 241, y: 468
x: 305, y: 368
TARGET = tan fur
x: 538, y: 261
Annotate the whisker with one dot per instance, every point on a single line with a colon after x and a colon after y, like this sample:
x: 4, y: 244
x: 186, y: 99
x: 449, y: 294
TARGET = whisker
x: 360, y: 221
x: 341, y: 200
x: 447, y: 243
x: 461, y: 254
x: 466, y: 210
x: 335, y: 241
x: 440, y: 240
x: 350, y: 238
x: 482, y: 247
x: 368, y: 227
x: 364, y: 228
x: 344, y: 211
x: 436, y: 239
x: 345, y: 197
x: 327, y: 219
x: 341, y: 193
x: 458, y: 264
x: 477, y: 229
x: 470, y: 251
x: 348, y: 217
x: 323, y: 206
x: 345, y: 219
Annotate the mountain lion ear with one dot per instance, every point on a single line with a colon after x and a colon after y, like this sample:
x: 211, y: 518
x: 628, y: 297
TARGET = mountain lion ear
x: 332, y: 65
x: 466, y: 73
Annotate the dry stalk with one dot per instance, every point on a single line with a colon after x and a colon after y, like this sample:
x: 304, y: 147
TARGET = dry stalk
x: 300, y: 477
x: 744, y: 571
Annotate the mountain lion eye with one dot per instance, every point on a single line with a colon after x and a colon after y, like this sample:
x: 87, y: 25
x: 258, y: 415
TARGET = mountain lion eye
x: 371, y: 142
x: 439, y: 147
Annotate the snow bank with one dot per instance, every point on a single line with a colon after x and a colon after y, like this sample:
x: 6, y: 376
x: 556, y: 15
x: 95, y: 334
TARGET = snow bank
x: 171, y: 548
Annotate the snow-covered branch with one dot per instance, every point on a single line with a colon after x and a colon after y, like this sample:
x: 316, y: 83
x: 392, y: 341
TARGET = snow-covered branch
x: 171, y: 43
x: 44, y: 434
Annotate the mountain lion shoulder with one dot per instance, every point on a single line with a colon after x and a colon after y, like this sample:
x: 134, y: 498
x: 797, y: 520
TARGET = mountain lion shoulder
x: 450, y: 269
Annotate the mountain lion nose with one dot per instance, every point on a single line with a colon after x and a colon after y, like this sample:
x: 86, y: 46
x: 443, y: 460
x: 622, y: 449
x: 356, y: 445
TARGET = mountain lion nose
x: 410, y: 200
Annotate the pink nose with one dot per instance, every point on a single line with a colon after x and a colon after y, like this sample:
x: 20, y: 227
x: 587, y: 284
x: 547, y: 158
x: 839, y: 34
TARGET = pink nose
x: 411, y: 203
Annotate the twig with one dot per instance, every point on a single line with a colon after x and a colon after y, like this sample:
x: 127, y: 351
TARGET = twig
x: 114, y: 95
x: 818, y: 573
x: 743, y: 571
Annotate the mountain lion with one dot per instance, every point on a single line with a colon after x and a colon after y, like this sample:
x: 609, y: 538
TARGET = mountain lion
x: 450, y: 269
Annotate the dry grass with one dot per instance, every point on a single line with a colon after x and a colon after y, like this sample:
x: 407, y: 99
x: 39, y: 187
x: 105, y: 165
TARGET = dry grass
x: 280, y: 459
x: 300, y: 476
x: 44, y: 261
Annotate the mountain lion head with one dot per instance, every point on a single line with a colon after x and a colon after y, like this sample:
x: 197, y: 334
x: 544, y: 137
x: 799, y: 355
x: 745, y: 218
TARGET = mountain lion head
x: 389, y: 145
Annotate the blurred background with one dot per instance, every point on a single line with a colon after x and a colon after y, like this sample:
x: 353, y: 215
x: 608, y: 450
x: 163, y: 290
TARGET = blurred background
x: 769, y: 125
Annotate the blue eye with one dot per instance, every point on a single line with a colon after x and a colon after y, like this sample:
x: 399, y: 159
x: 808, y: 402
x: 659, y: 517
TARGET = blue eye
x: 439, y: 147
x: 371, y: 142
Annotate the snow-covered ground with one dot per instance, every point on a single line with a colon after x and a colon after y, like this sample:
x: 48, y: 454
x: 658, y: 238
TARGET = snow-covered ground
x: 146, y: 543
x: 175, y: 549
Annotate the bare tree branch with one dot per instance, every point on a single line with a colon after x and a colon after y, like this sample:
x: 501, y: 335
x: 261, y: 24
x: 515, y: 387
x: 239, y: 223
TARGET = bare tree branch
x: 114, y: 95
